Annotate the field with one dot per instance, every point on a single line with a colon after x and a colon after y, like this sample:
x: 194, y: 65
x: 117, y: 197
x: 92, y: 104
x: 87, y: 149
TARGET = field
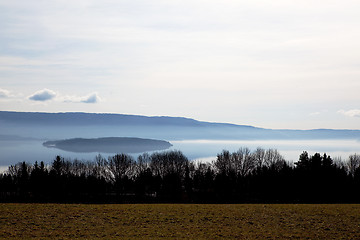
x: 175, y: 221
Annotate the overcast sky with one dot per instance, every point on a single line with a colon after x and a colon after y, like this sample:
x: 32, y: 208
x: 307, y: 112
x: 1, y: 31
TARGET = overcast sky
x: 273, y: 64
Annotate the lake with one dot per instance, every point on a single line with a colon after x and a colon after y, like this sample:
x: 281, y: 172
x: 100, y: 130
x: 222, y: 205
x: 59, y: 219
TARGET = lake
x: 30, y: 151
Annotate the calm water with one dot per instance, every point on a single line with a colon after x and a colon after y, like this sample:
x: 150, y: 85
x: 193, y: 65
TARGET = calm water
x: 12, y: 152
x: 207, y: 149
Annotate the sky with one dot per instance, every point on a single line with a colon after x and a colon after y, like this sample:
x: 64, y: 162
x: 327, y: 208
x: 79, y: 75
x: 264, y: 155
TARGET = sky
x: 273, y: 64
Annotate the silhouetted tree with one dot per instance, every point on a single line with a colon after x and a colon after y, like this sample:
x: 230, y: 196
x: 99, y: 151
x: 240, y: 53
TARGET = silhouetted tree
x: 353, y: 163
x: 170, y: 169
x: 304, y: 161
x: 57, y: 167
x: 121, y: 167
x: 241, y: 176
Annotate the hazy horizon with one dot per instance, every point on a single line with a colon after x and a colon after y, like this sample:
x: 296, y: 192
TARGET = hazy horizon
x: 128, y: 114
x: 23, y: 135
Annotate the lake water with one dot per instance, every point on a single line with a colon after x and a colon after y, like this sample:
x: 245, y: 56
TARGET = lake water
x: 12, y: 152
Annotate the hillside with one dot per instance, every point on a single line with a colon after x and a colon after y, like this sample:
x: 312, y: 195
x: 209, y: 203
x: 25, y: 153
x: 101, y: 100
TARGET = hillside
x: 91, y: 125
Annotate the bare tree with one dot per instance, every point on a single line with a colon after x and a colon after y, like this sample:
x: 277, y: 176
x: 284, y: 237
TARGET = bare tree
x: 121, y: 165
x: 101, y: 169
x: 222, y: 163
x: 172, y: 162
x: 353, y: 163
x: 243, y: 161
x: 143, y: 163
x: 274, y: 159
x: 339, y: 163
x: 259, y: 157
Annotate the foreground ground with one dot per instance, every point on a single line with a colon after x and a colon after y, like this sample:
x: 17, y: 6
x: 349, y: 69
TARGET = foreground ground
x: 174, y: 221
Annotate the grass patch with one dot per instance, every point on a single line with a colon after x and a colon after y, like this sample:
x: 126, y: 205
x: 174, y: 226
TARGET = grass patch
x: 174, y: 221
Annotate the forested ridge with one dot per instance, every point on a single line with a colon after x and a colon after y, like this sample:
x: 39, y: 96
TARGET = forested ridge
x: 244, y: 176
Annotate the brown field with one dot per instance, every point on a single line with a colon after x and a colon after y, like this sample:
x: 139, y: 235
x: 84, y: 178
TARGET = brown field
x: 175, y: 221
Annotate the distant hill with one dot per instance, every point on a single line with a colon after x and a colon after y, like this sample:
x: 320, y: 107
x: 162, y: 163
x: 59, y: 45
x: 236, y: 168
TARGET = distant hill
x: 109, y: 145
x: 92, y: 125
x: 79, y: 118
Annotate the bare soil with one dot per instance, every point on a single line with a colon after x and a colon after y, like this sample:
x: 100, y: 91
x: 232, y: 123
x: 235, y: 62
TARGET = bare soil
x: 176, y: 221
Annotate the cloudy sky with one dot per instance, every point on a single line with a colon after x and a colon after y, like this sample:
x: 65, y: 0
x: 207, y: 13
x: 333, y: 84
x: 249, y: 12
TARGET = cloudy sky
x: 273, y: 64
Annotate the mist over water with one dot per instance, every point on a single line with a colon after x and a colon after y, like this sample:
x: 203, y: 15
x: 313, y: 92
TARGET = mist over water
x: 30, y: 151
x: 290, y: 149
x: 22, y: 136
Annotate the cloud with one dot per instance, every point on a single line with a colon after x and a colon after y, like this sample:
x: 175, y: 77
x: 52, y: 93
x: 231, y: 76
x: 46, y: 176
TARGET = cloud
x: 43, y: 95
x: 47, y: 94
x: 351, y: 113
x: 5, y: 93
x: 91, y: 98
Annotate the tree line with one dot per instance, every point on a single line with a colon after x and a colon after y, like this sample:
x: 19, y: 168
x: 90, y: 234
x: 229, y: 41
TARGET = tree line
x: 243, y: 176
